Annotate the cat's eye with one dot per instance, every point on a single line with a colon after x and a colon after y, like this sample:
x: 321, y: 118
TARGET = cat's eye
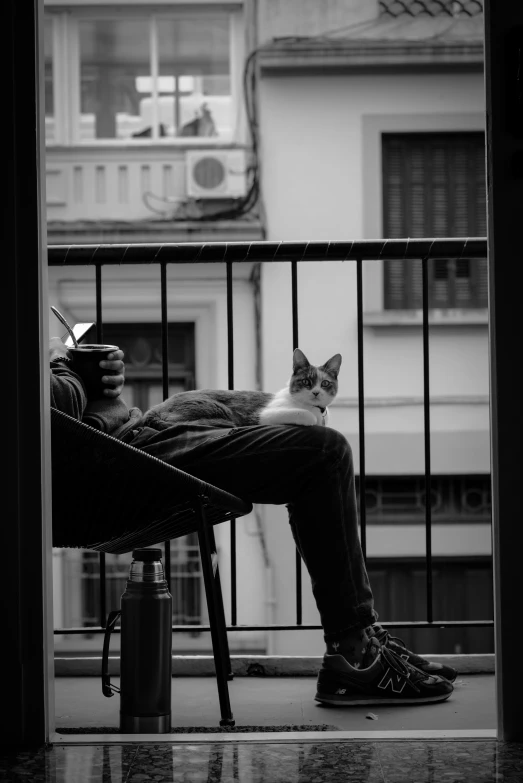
x: 325, y: 384
x: 306, y: 382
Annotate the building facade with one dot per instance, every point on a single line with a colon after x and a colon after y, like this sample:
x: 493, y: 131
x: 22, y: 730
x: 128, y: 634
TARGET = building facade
x: 289, y: 121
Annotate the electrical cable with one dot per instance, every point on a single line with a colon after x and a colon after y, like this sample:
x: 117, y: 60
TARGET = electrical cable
x: 247, y: 202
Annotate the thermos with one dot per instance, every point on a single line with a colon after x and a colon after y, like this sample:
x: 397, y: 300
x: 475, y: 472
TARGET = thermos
x: 146, y: 648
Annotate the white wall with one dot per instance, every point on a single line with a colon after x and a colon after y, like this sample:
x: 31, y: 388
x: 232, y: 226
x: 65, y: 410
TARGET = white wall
x: 312, y: 142
x: 315, y: 184
x: 321, y: 171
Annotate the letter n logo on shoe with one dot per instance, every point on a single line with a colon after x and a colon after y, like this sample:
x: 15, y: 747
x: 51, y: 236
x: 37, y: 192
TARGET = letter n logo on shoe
x: 393, y: 680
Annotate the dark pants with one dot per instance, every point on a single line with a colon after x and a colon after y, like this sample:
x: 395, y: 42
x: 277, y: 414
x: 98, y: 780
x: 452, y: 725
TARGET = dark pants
x: 310, y: 469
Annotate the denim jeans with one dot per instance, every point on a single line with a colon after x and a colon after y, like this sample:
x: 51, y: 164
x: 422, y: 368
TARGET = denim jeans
x: 309, y: 469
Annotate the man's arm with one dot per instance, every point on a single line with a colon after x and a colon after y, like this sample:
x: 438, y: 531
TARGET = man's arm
x: 67, y: 390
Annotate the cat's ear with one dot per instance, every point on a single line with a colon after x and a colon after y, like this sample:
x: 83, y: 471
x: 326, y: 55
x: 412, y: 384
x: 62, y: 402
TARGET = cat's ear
x: 299, y: 361
x: 333, y: 365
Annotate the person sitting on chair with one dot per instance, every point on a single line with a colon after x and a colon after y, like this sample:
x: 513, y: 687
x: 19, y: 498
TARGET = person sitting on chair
x: 310, y: 470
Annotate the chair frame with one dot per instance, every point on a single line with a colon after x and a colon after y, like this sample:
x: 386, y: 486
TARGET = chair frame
x: 196, y: 508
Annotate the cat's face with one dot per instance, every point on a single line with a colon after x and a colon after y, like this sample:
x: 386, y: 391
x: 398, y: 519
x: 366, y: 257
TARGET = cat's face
x: 312, y: 385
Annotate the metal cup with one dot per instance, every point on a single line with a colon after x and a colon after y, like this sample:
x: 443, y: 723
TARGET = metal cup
x: 85, y: 361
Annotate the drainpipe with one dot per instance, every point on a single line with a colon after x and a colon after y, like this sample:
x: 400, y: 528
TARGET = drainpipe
x: 270, y: 599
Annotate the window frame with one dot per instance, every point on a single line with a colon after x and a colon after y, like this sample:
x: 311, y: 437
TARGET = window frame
x: 398, y: 149
x: 66, y: 73
x: 449, y: 491
x: 141, y: 378
x: 373, y: 126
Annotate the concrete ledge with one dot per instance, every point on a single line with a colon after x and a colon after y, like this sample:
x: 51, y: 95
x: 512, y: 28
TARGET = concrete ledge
x: 266, y: 737
x: 254, y: 665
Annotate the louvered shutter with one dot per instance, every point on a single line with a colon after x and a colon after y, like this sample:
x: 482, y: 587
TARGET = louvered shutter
x: 434, y: 185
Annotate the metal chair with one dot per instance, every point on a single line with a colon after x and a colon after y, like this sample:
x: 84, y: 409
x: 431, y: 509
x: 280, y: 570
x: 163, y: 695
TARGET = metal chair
x: 130, y: 499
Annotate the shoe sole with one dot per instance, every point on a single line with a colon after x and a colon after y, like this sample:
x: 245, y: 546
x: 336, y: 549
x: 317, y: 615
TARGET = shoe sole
x: 355, y: 701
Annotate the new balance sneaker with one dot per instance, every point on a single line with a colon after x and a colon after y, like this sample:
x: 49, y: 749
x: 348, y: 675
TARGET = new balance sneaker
x: 388, y: 680
x: 399, y: 647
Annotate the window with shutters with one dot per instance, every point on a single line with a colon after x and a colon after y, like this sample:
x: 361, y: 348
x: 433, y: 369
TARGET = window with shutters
x: 434, y: 186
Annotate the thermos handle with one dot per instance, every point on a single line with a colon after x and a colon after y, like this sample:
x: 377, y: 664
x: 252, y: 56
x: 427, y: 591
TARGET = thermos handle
x: 108, y: 688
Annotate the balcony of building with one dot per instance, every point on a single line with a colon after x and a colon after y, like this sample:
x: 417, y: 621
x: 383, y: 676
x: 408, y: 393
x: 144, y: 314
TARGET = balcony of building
x: 450, y: 618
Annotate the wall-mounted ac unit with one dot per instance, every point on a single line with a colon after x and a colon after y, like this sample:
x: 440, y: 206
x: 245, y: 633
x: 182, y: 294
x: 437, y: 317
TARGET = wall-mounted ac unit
x: 216, y: 173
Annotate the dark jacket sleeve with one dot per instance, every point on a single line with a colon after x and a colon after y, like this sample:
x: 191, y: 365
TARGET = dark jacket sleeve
x: 67, y: 391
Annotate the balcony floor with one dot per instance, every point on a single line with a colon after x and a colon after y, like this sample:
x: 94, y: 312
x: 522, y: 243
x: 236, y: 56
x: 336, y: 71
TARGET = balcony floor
x: 282, y: 701
x: 456, y: 739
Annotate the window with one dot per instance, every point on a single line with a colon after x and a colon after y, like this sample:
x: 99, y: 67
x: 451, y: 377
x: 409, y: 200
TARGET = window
x: 135, y: 75
x: 401, y: 499
x: 434, y: 186
x: 462, y: 586
x: 462, y: 590
x: 114, y: 60
x: 142, y: 346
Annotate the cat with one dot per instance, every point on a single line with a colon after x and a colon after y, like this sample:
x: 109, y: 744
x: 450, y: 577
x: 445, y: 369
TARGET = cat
x: 304, y: 401
x: 201, y: 125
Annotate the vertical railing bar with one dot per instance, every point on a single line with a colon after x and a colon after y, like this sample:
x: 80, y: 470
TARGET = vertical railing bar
x: 452, y: 273
x: 230, y: 327
x: 426, y: 420
x: 361, y: 407
x: 165, y: 330
x: 165, y: 386
x: 294, y: 289
x: 98, y: 294
x: 100, y: 337
x: 295, y: 339
x: 234, y: 597
x: 230, y: 373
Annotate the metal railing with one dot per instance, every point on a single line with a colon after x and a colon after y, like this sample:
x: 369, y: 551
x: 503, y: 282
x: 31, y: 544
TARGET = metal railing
x: 295, y: 253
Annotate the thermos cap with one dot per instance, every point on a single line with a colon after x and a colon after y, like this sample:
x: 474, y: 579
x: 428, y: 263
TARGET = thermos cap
x: 147, y: 555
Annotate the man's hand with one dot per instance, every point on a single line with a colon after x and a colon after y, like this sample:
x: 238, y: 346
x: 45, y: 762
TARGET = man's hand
x: 115, y: 374
x: 114, y: 379
x: 57, y: 350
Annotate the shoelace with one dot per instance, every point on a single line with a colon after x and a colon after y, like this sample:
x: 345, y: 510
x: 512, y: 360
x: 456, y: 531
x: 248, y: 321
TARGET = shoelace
x: 384, y: 637
x: 403, y: 668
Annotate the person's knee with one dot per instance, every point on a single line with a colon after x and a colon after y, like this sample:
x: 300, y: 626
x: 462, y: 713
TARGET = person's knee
x: 336, y: 446
x: 332, y: 447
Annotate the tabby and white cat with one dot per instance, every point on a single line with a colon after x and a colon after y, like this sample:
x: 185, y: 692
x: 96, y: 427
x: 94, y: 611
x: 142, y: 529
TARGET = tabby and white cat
x: 303, y: 401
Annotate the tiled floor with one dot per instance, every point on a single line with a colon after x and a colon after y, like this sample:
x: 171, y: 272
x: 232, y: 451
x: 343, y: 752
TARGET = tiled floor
x: 214, y: 762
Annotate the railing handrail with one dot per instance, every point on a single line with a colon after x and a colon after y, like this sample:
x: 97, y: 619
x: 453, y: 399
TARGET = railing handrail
x: 267, y: 250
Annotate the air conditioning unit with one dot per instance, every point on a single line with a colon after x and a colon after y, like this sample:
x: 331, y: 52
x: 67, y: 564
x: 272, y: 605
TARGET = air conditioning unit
x: 216, y: 173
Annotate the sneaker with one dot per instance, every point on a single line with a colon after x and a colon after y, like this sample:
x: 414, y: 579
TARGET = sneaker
x: 388, y: 680
x: 399, y: 647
